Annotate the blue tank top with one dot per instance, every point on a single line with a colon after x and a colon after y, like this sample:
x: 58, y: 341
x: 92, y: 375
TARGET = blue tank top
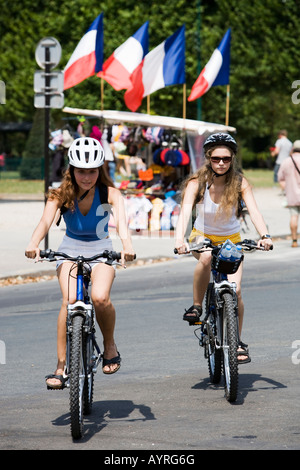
x: 90, y: 227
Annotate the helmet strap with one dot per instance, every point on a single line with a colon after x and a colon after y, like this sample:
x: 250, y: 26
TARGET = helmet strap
x: 84, y: 195
x: 215, y: 174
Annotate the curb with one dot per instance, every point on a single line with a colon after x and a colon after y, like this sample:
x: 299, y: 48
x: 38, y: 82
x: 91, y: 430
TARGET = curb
x: 42, y: 276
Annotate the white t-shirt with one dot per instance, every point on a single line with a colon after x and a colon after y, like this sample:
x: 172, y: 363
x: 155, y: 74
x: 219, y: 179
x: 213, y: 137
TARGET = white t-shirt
x: 285, y: 147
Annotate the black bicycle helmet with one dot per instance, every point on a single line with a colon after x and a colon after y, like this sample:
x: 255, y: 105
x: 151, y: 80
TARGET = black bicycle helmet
x: 220, y: 139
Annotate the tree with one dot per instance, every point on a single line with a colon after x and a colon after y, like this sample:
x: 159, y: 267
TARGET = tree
x: 264, y: 57
x: 32, y: 162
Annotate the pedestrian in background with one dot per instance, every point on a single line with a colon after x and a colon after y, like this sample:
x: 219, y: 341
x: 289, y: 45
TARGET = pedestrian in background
x: 289, y: 180
x: 282, y: 150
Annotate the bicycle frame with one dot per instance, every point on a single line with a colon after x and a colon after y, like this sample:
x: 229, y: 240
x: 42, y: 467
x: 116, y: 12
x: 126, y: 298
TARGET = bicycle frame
x: 219, y: 328
x: 82, y: 351
x: 83, y: 307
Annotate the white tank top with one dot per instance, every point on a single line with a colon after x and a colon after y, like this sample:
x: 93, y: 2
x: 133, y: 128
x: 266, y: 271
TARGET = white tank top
x: 207, y: 222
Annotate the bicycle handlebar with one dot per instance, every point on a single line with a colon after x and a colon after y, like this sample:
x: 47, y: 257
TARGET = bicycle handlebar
x: 248, y: 245
x: 52, y: 255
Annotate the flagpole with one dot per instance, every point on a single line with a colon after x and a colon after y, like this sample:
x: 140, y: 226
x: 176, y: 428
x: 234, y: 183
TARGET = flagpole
x: 148, y: 104
x: 184, y: 101
x: 102, y: 90
x: 227, y: 105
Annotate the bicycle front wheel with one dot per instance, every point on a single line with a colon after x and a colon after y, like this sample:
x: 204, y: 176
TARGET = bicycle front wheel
x: 230, y: 345
x: 88, y: 389
x: 213, y: 350
x: 77, y: 377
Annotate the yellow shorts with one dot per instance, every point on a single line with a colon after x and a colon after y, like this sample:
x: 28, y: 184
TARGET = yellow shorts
x: 215, y: 239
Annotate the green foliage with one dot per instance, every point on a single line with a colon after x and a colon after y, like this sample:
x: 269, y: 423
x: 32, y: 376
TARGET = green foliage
x: 264, y: 57
x: 31, y: 166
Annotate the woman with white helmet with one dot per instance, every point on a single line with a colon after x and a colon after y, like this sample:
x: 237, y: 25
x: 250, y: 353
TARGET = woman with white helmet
x: 216, y: 190
x: 84, y: 200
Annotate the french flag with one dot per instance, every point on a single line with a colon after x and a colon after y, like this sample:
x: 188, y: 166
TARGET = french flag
x: 216, y: 71
x: 87, y: 58
x: 163, y: 66
x: 118, y: 68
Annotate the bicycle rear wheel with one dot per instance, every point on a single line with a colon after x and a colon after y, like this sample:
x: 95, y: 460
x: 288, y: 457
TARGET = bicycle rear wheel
x: 77, y: 377
x: 230, y: 345
x: 213, y: 353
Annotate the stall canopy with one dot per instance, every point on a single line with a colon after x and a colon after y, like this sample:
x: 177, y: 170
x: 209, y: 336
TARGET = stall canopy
x: 196, y: 131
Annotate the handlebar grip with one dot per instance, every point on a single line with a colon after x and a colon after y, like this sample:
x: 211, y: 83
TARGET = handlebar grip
x: 175, y: 251
x: 45, y: 253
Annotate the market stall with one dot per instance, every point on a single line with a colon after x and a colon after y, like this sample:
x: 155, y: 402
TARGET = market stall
x: 153, y: 154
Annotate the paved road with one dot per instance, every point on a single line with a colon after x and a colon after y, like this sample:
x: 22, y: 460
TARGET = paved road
x: 161, y: 398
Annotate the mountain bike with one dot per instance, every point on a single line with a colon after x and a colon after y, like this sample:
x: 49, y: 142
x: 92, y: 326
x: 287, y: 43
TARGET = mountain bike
x: 219, y: 330
x: 83, y: 354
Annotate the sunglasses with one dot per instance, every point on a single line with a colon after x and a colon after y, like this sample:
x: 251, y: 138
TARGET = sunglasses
x: 218, y: 159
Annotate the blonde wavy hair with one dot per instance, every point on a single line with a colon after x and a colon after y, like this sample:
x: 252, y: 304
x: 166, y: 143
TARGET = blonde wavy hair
x: 68, y: 190
x: 231, y: 196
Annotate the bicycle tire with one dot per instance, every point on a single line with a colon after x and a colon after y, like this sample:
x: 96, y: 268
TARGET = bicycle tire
x: 77, y: 377
x: 88, y: 388
x: 230, y: 345
x: 214, y: 355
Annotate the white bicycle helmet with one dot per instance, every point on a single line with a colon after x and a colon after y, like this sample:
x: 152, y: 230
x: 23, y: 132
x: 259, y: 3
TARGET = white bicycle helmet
x: 86, y: 152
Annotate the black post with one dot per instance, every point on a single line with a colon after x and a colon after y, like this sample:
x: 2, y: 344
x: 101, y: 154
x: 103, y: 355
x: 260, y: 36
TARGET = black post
x: 46, y: 131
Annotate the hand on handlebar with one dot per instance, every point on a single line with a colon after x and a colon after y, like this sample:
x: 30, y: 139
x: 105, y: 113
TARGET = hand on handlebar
x: 182, y: 249
x: 32, y: 252
x: 265, y: 243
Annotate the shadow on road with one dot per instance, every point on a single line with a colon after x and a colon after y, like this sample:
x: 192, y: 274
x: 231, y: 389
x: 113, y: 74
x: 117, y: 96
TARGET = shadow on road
x: 247, y: 383
x: 106, y: 410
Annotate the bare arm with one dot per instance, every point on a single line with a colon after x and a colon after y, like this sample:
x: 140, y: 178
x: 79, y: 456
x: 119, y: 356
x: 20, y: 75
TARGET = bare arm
x: 185, y: 214
x: 254, y: 213
x: 42, y: 228
x: 116, y: 200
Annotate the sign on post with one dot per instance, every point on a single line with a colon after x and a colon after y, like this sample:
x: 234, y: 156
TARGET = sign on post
x: 48, y: 85
x: 54, y: 53
x: 48, y: 89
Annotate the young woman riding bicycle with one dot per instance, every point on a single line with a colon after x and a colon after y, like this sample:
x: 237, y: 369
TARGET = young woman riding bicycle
x: 83, y: 195
x: 216, y: 191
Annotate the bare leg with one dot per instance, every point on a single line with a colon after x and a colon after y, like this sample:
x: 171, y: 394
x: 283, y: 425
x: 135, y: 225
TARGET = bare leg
x: 102, y: 279
x: 63, y: 277
x: 237, y: 278
x: 201, y: 277
x: 294, y: 228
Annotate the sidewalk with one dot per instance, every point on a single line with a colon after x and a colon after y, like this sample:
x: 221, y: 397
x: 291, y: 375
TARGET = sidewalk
x: 19, y: 217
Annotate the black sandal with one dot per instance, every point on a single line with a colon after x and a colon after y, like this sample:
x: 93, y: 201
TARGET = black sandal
x: 193, y: 314
x: 244, y: 352
x: 60, y: 386
x: 107, y: 362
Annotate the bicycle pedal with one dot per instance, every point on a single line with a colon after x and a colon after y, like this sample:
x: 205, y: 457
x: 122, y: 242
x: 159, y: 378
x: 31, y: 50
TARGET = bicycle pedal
x: 195, y: 323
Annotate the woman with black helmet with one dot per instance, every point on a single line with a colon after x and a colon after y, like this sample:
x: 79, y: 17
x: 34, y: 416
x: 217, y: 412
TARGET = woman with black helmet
x: 216, y: 191
x: 84, y: 192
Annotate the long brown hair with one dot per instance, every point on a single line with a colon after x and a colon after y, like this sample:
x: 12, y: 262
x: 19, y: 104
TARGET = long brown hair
x: 205, y: 176
x: 68, y: 190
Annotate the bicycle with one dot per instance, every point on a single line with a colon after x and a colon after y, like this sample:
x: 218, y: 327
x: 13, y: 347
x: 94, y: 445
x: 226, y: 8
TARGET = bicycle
x: 83, y: 354
x: 219, y: 331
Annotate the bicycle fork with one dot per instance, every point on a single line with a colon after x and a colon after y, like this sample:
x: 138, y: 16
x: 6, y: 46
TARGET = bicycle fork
x: 213, y: 320
x: 79, y: 308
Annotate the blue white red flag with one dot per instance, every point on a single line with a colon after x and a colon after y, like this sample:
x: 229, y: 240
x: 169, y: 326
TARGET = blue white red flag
x: 118, y: 68
x: 216, y: 71
x: 87, y: 58
x: 161, y: 67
